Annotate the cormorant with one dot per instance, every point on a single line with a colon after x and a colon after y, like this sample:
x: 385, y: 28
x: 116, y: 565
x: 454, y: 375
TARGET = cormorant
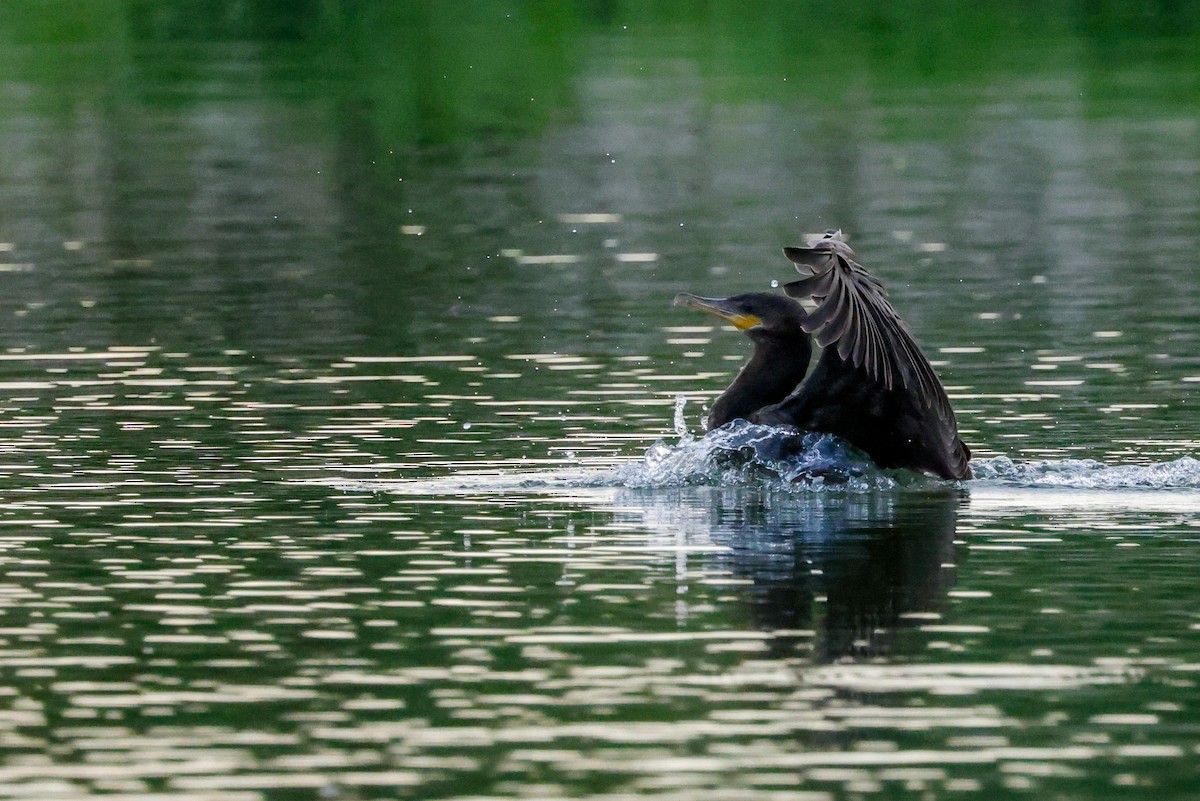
x: 782, y: 350
x: 872, y: 386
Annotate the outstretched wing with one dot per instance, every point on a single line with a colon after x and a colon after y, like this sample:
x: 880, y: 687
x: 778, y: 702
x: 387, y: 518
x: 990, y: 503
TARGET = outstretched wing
x: 853, y: 314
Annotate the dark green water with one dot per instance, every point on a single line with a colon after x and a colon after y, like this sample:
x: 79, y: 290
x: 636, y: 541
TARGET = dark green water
x: 336, y: 336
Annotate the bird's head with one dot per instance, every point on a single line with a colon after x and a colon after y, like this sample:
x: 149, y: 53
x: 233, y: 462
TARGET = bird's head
x: 754, y: 313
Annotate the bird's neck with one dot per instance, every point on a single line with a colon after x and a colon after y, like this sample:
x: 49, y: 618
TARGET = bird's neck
x: 775, y: 369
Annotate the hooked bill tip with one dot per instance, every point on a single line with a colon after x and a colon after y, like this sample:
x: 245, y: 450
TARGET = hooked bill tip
x: 685, y: 299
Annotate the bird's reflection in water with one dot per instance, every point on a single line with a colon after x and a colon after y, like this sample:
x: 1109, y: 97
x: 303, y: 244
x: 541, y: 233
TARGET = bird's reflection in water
x: 843, y: 571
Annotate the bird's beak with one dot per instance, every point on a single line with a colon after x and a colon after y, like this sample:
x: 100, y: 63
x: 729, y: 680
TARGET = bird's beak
x: 718, y: 307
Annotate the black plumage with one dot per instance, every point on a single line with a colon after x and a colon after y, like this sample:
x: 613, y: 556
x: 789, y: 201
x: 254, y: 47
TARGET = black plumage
x: 782, y: 350
x: 872, y: 385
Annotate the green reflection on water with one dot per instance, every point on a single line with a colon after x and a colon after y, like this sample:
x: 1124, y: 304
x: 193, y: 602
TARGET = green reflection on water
x: 433, y: 73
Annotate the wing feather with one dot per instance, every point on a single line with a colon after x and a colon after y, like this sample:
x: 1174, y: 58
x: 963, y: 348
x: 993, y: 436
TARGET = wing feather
x: 854, y: 314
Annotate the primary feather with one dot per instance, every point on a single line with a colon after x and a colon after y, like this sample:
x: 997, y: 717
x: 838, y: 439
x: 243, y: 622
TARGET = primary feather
x: 854, y: 315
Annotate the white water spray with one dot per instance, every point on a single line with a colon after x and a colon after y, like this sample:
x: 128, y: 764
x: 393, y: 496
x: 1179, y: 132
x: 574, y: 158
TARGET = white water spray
x: 681, y: 429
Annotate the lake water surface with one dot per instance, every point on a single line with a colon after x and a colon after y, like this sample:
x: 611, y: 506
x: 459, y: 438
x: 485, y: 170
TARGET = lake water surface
x: 350, y: 448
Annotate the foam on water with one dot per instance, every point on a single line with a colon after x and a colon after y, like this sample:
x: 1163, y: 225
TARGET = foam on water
x: 743, y: 453
x: 1181, y: 473
x: 789, y: 461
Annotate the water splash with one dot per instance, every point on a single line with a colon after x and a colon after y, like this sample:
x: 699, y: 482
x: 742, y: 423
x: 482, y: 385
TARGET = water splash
x: 743, y: 453
x: 680, y: 424
x: 774, y: 458
x: 1181, y: 473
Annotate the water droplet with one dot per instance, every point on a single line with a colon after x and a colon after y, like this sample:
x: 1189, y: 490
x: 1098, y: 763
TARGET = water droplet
x: 680, y: 424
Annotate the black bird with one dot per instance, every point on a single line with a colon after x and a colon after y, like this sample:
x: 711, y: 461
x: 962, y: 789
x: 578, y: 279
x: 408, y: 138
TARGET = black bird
x: 782, y: 350
x: 872, y: 385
